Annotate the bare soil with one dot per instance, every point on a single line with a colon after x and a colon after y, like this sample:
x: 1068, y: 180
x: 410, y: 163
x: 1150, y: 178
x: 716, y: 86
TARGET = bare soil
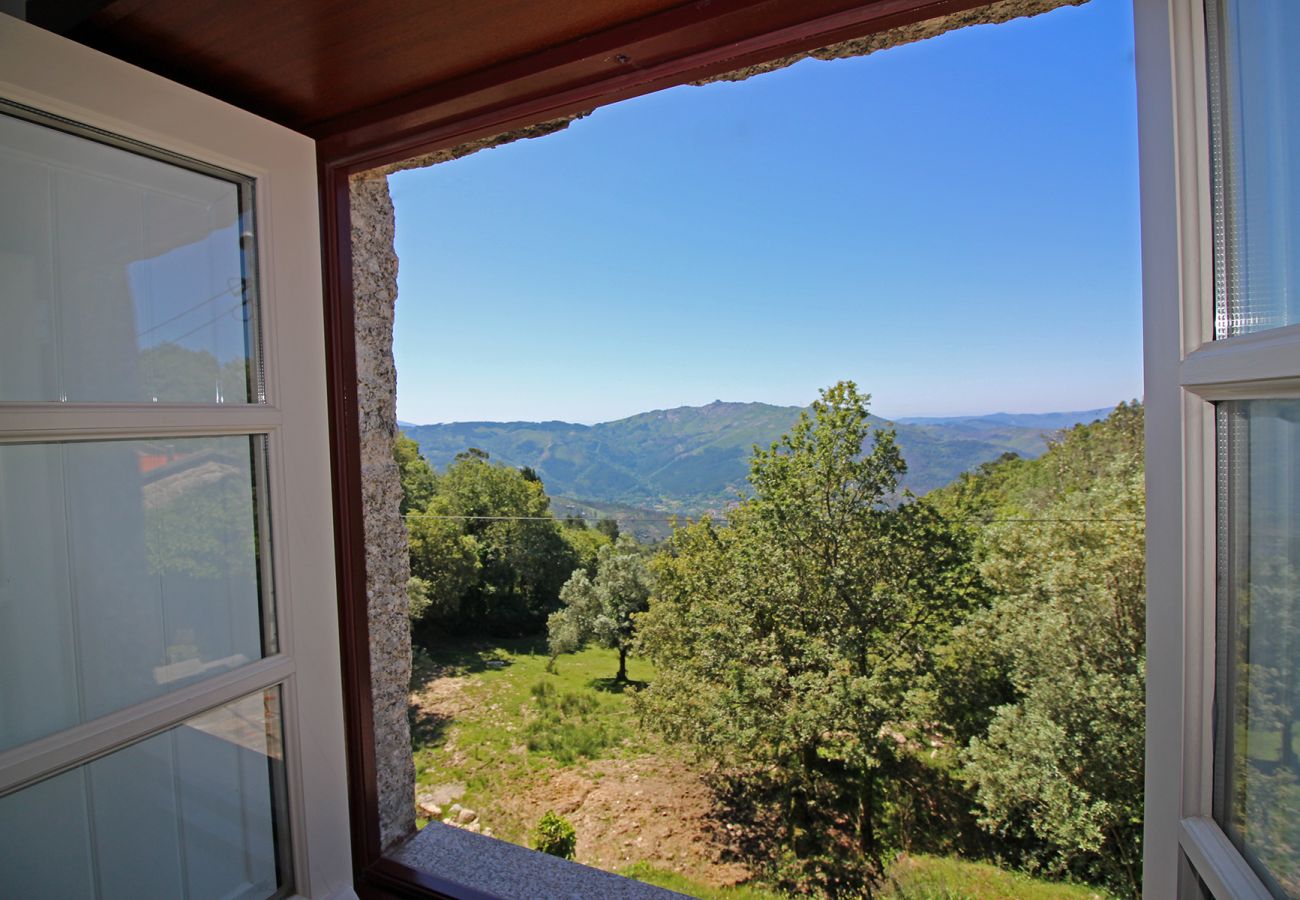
x: 652, y: 807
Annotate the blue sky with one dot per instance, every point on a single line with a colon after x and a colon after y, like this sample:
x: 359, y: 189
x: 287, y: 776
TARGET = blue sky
x: 952, y: 224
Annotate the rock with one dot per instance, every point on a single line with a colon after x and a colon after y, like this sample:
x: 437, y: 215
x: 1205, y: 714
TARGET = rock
x: 465, y: 816
x: 426, y: 807
x: 472, y: 826
x: 487, y: 832
x: 456, y: 808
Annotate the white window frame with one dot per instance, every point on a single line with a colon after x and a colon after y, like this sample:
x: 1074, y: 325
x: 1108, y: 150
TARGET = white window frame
x: 61, y: 78
x: 1187, y: 371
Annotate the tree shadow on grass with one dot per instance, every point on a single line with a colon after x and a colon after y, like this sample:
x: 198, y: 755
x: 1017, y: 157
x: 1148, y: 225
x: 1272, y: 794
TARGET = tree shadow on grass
x: 614, y: 686
x: 450, y: 658
x: 427, y: 727
x: 454, y: 659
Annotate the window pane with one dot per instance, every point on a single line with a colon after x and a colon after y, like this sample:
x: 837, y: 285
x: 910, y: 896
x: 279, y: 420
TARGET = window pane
x: 1255, y: 110
x: 196, y: 811
x: 1257, y: 772
x: 127, y: 569
x: 122, y: 277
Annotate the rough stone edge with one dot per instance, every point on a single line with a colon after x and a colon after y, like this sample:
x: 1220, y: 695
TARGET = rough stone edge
x: 992, y: 14
x: 374, y: 273
x: 541, y: 129
x: 374, y: 285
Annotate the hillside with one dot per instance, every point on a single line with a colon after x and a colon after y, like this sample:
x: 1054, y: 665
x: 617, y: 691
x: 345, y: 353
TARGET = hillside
x: 695, y: 458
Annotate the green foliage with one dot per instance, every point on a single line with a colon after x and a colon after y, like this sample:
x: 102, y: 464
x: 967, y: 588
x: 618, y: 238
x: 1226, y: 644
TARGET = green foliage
x: 488, y: 555
x: 1046, y: 686
x: 417, y: 476
x: 787, y: 642
x: 603, y: 609
x: 554, y: 834
x: 585, y: 542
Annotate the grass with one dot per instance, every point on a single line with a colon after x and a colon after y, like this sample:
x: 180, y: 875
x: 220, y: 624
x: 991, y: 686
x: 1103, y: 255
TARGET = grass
x: 946, y: 878
x: 912, y: 878
x: 650, y: 874
x: 521, y: 723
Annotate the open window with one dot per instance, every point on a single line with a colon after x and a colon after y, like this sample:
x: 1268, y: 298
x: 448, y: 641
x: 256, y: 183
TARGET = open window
x: 167, y: 639
x: 1223, y: 363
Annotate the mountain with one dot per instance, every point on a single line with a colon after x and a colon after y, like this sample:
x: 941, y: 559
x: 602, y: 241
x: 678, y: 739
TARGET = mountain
x: 695, y: 458
x: 1054, y: 421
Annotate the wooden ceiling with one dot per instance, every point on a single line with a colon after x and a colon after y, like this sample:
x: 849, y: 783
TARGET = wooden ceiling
x: 376, y: 80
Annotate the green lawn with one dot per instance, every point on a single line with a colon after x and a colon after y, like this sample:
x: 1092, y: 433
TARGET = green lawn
x: 519, y: 723
x: 945, y: 878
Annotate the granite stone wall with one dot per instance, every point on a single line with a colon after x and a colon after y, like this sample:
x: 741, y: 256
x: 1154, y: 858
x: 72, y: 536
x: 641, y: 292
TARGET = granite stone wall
x: 374, y: 286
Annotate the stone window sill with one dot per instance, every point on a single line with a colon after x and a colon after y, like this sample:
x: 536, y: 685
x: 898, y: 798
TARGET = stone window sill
x: 510, y: 872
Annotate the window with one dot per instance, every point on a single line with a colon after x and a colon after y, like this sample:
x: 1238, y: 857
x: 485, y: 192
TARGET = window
x: 167, y: 630
x: 1223, y: 384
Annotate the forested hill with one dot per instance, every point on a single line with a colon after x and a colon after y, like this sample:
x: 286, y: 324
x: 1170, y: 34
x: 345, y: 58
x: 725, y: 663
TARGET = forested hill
x: 696, y: 458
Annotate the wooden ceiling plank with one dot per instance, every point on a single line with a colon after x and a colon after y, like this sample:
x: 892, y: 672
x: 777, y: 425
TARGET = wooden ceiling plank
x: 62, y: 16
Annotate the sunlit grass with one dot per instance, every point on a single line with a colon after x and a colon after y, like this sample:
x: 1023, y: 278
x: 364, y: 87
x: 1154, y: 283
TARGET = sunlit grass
x: 520, y: 722
x: 946, y: 878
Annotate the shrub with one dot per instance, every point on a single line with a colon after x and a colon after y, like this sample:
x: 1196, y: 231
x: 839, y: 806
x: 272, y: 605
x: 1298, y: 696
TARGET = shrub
x: 567, y: 726
x: 554, y: 834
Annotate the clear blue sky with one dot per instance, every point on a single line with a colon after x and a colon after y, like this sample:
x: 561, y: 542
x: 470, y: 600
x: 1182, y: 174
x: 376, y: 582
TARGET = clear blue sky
x: 952, y: 224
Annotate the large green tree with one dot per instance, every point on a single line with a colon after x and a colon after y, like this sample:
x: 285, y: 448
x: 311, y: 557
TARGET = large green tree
x: 486, y: 553
x: 1047, y: 687
x: 604, y: 608
x: 786, y: 642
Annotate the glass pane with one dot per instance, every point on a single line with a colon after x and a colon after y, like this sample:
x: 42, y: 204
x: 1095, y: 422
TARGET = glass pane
x: 127, y: 569
x: 1255, y: 110
x: 1257, y: 772
x: 122, y: 277
x: 196, y: 811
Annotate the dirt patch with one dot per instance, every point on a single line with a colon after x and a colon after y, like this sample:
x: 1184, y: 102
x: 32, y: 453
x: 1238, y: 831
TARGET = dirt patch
x: 643, y: 809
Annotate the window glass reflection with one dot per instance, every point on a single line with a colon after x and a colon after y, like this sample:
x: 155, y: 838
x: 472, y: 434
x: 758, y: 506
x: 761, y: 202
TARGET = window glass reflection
x: 122, y: 277
x: 127, y: 569
x: 1258, y: 758
x: 1256, y: 117
x: 195, y: 811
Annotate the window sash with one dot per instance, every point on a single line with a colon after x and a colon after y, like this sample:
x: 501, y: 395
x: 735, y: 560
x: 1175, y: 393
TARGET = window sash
x: 1258, y: 365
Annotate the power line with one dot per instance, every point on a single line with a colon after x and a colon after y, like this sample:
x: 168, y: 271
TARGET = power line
x: 981, y: 521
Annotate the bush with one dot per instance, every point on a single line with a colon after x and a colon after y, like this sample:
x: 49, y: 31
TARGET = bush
x: 567, y: 726
x: 554, y: 834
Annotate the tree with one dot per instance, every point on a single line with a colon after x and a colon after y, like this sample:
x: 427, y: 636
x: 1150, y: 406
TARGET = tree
x: 417, y: 476
x: 1057, y: 767
x: 486, y: 551
x: 786, y: 642
x: 603, y: 608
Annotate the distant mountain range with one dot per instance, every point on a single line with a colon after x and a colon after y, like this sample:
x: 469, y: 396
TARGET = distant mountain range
x: 694, y: 459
